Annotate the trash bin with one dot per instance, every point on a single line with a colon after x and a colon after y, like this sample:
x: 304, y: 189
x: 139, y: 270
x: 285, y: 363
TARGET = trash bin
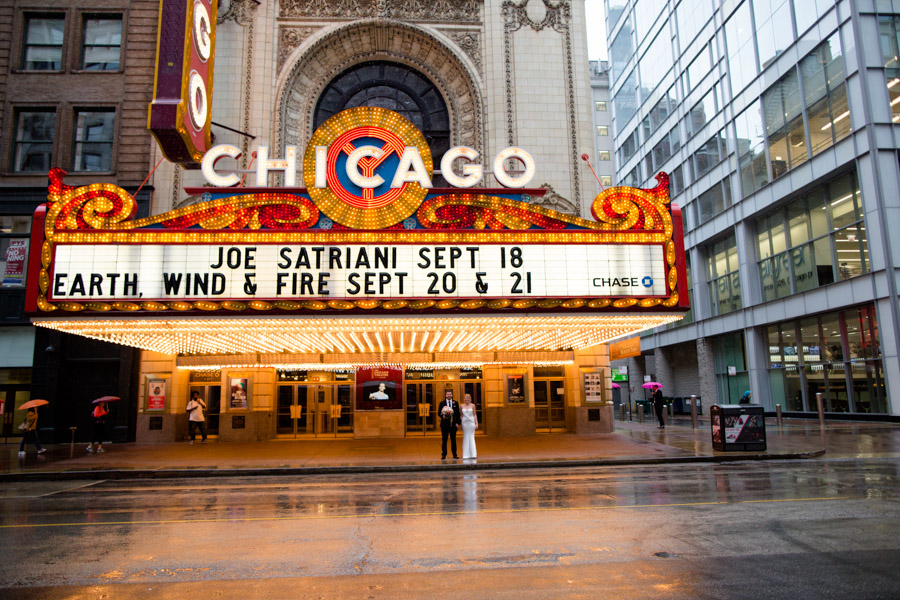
x: 738, y: 427
x: 678, y: 405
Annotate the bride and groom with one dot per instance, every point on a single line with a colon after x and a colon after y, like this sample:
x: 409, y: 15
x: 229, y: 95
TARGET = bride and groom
x: 454, y: 416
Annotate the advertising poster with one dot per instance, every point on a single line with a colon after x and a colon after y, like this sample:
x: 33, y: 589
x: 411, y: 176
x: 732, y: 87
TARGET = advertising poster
x: 593, y: 383
x: 156, y: 397
x: 379, y: 389
x: 744, y: 428
x: 515, y: 389
x: 239, y: 389
x: 16, y: 254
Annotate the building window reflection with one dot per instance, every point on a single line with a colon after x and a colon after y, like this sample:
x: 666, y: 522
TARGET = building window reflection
x: 722, y: 274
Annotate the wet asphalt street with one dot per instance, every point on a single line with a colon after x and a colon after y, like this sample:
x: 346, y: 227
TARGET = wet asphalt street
x: 782, y: 529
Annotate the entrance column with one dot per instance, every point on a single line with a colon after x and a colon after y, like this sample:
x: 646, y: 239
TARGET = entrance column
x: 706, y: 369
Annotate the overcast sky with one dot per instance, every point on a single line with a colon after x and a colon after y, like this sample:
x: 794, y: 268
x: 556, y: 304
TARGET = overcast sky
x: 596, y: 29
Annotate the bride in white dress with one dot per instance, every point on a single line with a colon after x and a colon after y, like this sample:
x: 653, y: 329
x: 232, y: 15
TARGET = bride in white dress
x: 469, y: 425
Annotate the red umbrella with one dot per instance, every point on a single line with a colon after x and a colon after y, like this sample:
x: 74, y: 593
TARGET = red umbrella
x: 651, y: 385
x: 33, y: 404
x: 106, y: 399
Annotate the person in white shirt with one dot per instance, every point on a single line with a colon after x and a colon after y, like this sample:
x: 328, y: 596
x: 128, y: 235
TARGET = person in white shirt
x: 195, y: 409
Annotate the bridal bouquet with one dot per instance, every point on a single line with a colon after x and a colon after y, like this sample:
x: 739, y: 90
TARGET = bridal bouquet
x: 446, y: 412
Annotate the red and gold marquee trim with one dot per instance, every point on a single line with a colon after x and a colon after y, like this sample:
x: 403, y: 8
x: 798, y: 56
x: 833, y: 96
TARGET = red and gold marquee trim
x: 103, y: 214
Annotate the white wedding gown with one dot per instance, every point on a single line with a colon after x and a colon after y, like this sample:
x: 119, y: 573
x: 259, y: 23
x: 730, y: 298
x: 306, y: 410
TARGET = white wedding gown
x: 468, y: 427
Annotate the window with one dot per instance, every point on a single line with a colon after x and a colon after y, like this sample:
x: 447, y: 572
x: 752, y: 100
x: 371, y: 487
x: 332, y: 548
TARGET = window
x: 101, y: 43
x: 625, y: 103
x: 713, y: 201
x: 676, y: 182
x: 602, y: 130
x: 816, y: 240
x: 698, y: 69
x: 655, y: 62
x: 94, y: 134
x: 14, y: 231
x: 807, y: 12
x: 724, y: 280
x: 600, y: 106
x: 741, y: 54
x: 621, y: 50
x: 709, y: 154
x: 616, y: 8
x: 42, y: 46
x: 826, y: 94
x: 774, y: 32
x: 889, y: 30
x: 603, y: 155
x: 691, y: 16
x: 836, y: 354
x: 33, y: 147
x: 786, y: 132
x: 628, y: 147
x: 751, y: 149
x: 702, y: 113
x: 606, y: 180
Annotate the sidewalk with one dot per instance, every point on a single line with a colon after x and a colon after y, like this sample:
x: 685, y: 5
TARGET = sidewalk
x: 632, y: 443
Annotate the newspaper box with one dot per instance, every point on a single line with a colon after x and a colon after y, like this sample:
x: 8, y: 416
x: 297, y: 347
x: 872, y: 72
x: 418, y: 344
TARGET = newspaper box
x: 738, y: 427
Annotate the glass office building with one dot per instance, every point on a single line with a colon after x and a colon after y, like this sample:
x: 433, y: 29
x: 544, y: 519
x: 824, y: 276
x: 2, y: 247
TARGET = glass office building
x: 777, y: 121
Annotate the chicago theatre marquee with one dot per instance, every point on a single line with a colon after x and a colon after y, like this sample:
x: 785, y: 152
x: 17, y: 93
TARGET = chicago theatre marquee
x: 385, y: 249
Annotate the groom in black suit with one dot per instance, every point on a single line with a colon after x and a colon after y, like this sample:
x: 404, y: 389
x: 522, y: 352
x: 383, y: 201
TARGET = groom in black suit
x: 449, y: 422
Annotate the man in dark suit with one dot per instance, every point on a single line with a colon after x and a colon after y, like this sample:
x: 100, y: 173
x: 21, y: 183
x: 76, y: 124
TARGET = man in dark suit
x: 450, y: 420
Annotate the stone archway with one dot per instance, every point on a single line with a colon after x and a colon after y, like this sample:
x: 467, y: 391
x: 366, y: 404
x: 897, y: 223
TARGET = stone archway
x: 368, y: 40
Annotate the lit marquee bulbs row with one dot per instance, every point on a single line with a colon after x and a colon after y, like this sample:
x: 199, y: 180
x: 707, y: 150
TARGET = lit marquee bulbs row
x: 360, y: 336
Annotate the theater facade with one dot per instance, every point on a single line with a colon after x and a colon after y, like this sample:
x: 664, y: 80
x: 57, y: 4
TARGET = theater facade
x: 353, y: 305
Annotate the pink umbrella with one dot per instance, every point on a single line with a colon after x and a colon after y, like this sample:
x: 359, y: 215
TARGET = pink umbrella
x: 651, y: 385
x: 616, y: 385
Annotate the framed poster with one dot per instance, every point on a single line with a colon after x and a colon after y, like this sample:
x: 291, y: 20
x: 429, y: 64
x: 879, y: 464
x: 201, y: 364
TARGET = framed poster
x: 240, y: 392
x: 156, y: 394
x: 593, y: 387
x: 515, y: 389
x: 379, y: 389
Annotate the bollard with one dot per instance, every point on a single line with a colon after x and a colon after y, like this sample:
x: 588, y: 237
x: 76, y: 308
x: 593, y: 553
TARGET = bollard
x: 640, y: 412
x: 820, y: 409
x: 622, y: 412
x: 72, y: 429
x: 694, y: 411
x: 778, y: 415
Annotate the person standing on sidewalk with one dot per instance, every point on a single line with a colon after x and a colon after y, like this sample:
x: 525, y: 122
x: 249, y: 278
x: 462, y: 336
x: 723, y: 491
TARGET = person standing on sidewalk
x: 658, y: 406
x: 196, y: 419
x: 31, y: 419
x: 99, y: 414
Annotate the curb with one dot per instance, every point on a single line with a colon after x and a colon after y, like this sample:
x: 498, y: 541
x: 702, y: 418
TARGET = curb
x: 122, y: 474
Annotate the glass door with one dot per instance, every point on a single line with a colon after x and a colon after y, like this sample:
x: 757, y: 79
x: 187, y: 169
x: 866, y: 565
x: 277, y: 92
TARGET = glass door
x: 420, y: 408
x: 314, y: 410
x: 11, y: 398
x: 549, y: 406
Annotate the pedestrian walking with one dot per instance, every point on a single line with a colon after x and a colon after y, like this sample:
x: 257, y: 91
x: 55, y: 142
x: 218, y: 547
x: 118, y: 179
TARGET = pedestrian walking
x: 658, y: 406
x: 99, y: 414
x: 30, y: 432
x: 195, y: 409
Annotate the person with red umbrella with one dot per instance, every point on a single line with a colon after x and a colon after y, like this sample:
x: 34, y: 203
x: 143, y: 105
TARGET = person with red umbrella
x: 29, y: 426
x: 100, y: 412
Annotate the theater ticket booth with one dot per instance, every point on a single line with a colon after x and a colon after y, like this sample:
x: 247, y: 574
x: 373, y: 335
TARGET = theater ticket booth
x: 293, y: 294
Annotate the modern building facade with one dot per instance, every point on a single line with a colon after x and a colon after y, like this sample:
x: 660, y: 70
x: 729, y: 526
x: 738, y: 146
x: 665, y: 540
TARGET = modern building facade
x: 777, y: 121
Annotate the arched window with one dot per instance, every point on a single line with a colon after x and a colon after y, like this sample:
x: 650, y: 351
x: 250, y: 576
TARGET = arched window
x: 395, y: 87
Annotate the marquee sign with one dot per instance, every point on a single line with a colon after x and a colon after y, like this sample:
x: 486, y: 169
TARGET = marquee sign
x: 375, y: 237
x: 180, y: 114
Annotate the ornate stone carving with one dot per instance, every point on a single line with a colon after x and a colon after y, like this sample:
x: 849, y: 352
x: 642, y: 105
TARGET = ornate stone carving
x: 239, y: 11
x: 554, y: 201
x: 537, y: 14
x: 289, y: 39
x: 470, y: 42
x: 467, y: 11
x: 404, y: 43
